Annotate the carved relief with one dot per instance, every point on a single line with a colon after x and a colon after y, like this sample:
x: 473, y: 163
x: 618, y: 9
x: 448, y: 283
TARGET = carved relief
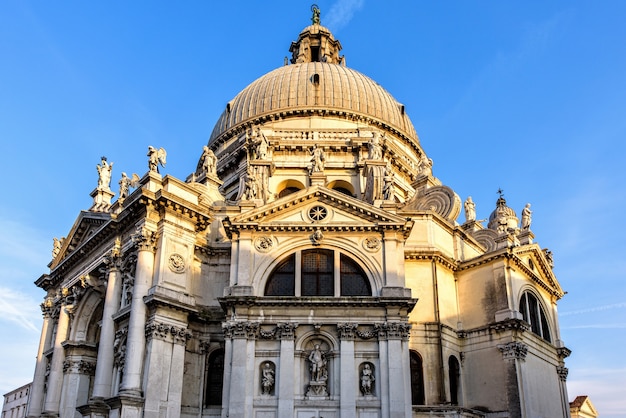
x: 372, y: 244
x: 347, y: 331
x: 119, y: 348
x: 393, y: 330
x: 287, y: 330
x: 79, y: 367
x: 263, y: 244
x: 241, y: 329
x: 167, y: 332
x: 176, y: 263
x: 513, y: 350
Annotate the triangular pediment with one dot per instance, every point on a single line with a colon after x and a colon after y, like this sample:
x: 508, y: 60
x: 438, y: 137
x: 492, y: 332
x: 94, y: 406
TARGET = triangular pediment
x: 534, y: 259
x: 318, y: 207
x: 86, y: 224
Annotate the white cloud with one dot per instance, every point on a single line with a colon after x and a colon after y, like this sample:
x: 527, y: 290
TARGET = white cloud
x: 341, y: 13
x: 594, y: 309
x: 19, y: 308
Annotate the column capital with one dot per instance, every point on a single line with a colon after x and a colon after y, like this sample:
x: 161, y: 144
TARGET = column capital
x: 562, y: 372
x: 113, y: 259
x: 167, y: 332
x: 79, y: 367
x: 393, y: 330
x: 241, y: 329
x: 347, y: 331
x: 514, y: 350
x: 287, y: 330
x: 144, y: 239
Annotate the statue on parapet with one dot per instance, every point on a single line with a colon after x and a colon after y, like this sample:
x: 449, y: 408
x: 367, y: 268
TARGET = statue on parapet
x: 208, y: 162
x: 104, y: 173
x: 375, y: 149
x: 126, y: 183
x: 470, y: 210
x: 156, y: 157
x: 318, y: 159
x: 526, y: 217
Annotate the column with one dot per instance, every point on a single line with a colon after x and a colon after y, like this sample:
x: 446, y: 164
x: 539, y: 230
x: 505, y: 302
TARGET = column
x: 164, y: 364
x: 349, y: 380
x: 241, y: 378
x: 39, y: 380
x: 286, y: 384
x: 55, y: 378
x: 104, y: 364
x: 136, y: 340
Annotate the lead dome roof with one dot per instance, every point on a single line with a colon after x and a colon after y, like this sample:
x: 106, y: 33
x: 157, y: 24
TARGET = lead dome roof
x: 317, y: 81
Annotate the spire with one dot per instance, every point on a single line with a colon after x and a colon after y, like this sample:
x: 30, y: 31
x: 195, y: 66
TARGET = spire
x: 316, y: 43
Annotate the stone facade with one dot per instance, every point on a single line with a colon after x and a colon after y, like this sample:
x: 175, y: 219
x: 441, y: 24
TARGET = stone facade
x: 310, y: 265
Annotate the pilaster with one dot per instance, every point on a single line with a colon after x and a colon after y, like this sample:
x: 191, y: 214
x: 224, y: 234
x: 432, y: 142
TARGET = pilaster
x: 286, y: 384
x: 348, y: 383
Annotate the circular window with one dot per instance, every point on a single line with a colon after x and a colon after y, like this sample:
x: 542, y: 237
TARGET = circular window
x: 318, y: 213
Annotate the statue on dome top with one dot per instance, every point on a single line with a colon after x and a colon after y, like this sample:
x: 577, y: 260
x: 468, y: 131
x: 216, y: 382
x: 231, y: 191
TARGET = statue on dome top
x: 316, y: 14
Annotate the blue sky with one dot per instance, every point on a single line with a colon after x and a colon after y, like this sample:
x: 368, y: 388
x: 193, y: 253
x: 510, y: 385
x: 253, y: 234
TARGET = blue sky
x: 525, y: 96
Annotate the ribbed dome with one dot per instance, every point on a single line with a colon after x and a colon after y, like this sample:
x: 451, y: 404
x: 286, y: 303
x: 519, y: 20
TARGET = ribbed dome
x: 333, y: 88
x: 502, y: 214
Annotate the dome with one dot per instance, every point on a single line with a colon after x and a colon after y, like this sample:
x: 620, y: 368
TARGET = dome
x: 502, y: 216
x: 314, y: 87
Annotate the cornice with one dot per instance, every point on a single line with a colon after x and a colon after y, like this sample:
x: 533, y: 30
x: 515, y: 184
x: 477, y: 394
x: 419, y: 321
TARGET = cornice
x: 328, y: 302
x: 433, y: 255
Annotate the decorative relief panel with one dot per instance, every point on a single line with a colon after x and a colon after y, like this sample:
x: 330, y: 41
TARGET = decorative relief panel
x: 372, y: 244
x: 176, y: 263
x: 264, y: 244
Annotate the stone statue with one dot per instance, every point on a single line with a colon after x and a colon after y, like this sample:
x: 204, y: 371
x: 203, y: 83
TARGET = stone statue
x: 318, y: 159
x: 126, y: 183
x: 367, y: 379
x: 251, y: 185
x: 56, y: 246
x: 156, y: 157
x: 104, y: 172
x: 316, y: 14
x: 318, y: 364
x: 267, y: 380
x: 388, y: 182
x: 375, y: 150
x: 260, y: 145
x: 208, y: 161
x: 526, y: 217
x: 470, y: 210
x: 425, y: 166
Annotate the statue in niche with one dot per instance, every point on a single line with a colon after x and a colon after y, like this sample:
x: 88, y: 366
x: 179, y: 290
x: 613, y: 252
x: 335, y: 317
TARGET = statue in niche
x: 526, y: 217
x: 318, y: 364
x: 367, y: 380
x: 318, y: 159
x: 104, y: 173
x: 208, y: 162
x: 375, y: 149
x: 126, y: 183
x: 388, y: 182
x: 156, y: 157
x: 470, y: 210
x: 267, y: 379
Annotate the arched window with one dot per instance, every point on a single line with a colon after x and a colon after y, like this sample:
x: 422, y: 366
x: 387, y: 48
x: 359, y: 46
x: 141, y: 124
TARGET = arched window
x: 319, y: 272
x: 214, y: 379
x: 533, y: 313
x: 417, y: 379
x: 454, y: 374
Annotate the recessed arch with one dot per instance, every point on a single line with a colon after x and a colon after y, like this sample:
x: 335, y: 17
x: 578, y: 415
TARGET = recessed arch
x: 287, y: 187
x: 342, y: 186
x: 417, y: 378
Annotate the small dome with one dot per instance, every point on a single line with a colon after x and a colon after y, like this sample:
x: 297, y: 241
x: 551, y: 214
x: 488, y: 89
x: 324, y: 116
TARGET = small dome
x: 503, y: 217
